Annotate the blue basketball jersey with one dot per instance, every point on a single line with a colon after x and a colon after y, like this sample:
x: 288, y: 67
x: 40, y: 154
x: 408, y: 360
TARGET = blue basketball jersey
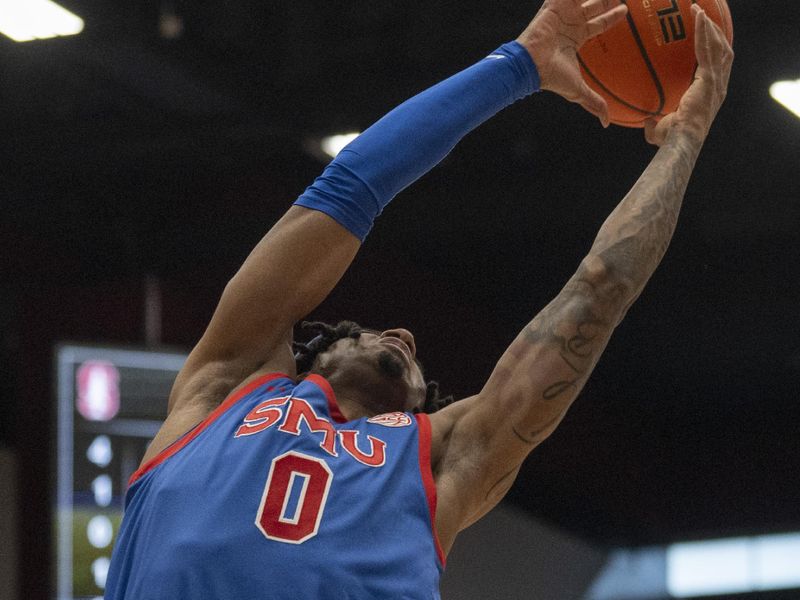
x: 274, y: 495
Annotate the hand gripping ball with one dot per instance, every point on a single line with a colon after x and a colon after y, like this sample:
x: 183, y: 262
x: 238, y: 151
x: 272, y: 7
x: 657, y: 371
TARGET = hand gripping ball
x: 644, y: 64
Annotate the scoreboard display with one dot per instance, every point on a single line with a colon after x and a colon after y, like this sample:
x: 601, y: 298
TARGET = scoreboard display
x: 111, y: 403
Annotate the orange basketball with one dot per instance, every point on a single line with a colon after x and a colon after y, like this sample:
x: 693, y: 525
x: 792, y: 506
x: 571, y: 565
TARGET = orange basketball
x: 643, y: 65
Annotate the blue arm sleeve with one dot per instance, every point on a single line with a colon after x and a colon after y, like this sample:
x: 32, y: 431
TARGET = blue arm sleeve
x: 414, y: 137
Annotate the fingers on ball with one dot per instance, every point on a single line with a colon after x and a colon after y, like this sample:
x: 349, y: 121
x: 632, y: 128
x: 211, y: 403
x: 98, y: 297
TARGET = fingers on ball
x: 593, y: 8
x: 595, y: 104
x: 606, y: 21
x: 702, y: 39
x: 649, y: 131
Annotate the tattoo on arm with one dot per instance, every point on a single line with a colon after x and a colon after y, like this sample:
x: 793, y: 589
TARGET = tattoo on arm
x: 538, y: 434
x: 626, y: 251
x: 636, y: 235
x: 504, y: 480
x: 574, y: 325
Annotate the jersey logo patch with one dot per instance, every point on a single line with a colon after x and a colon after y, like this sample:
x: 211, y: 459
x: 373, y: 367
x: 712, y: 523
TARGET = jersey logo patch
x: 394, y: 419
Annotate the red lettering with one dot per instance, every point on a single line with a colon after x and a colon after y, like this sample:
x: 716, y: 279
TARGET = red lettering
x: 377, y: 456
x: 300, y: 409
x: 262, y: 417
x: 268, y: 413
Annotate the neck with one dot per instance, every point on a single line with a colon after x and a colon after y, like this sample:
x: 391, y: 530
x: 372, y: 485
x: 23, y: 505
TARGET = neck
x: 363, y: 400
x: 352, y: 408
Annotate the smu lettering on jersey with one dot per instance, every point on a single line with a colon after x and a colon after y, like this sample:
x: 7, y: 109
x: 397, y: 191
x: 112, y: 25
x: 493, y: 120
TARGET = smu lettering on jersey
x: 274, y: 495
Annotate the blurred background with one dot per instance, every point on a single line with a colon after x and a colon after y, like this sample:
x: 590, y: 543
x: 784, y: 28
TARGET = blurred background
x: 143, y: 157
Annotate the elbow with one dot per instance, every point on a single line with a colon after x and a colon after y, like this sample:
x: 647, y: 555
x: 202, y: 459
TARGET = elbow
x: 609, y: 286
x: 604, y: 276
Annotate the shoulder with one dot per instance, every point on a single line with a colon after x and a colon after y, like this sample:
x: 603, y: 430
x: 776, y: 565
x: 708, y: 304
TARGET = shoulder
x: 444, y: 424
x: 195, y: 395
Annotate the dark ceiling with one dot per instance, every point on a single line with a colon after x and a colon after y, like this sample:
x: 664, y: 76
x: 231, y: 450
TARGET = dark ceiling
x: 124, y: 154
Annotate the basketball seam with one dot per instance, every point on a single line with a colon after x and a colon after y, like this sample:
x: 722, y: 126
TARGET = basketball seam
x: 696, y: 65
x: 726, y: 24
x: 612, y: 94
x: 650, y: 69
x: 638, y: 39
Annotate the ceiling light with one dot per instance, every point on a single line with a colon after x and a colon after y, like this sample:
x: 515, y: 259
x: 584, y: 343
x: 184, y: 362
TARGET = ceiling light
x: 26, y: 20
x: 788, y: 94
x: 334, y: 144
x: 696, y: 569
x: 735, y: 565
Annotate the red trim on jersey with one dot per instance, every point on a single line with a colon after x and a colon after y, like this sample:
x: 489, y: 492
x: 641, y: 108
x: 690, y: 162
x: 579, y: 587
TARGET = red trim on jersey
x: 333, y: 407
x: 181, y: 442
x: 424, y: 427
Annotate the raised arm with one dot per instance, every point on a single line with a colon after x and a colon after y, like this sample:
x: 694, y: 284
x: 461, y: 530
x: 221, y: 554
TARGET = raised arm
x: 297, y: 263
x: 304, y: 255
x: 481, y: 444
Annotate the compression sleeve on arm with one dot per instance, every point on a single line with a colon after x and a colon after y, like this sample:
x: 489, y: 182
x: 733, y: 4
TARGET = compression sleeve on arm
x: 414, y: 137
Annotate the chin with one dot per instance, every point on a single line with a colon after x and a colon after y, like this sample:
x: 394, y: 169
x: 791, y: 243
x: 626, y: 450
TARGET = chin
x: 390, y: 365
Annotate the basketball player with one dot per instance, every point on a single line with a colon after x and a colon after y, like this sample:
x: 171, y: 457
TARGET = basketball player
x: 316, y: 477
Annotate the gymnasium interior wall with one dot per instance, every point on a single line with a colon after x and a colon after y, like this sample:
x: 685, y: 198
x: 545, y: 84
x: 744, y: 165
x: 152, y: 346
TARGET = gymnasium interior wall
x: 509, y: 554
x: 8, y: 526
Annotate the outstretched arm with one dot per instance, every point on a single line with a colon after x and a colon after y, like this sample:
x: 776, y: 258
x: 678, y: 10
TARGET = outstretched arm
x: 305, y: 254
x: 297, y: 263
x: 482, y: 443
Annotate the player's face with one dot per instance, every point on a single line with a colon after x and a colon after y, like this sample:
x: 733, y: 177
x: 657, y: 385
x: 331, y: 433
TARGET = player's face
x: 382, y: 363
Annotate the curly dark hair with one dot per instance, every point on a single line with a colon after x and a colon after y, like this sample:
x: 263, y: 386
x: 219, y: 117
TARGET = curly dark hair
x: 325, y: 335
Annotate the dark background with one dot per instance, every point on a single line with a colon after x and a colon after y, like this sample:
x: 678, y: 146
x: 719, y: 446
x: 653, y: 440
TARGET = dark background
x: 125, y: 154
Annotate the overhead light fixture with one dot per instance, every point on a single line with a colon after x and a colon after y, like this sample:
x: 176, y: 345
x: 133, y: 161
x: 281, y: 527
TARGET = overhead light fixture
x: 333, y: 144
x: 27, y: 20
x: 732, y: 566
x: 696, y: 569
x: 788, y: 94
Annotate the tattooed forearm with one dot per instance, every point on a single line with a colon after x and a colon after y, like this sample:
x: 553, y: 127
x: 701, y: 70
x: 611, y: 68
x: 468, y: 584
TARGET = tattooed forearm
x: 542, y: 372
x: 572, y: 325
x: 635, y: 237
x: 544, y: 369
x: 628, y: 248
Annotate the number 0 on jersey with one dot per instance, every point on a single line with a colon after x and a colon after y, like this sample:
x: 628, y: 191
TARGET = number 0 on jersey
x: 277, y: 518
